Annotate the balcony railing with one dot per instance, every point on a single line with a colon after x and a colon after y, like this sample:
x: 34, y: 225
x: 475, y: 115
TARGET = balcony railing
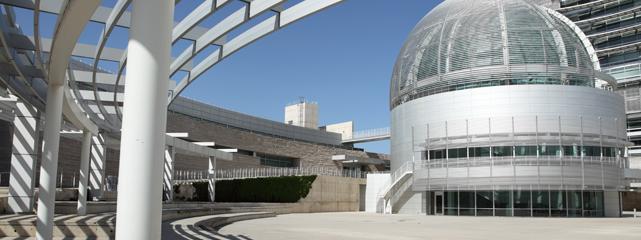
x: 243, y: 173
x: 522, y: 161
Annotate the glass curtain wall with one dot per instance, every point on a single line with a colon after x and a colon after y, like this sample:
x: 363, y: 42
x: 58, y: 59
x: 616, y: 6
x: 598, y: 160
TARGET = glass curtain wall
x: 524, y: 151
x: 525, y: 203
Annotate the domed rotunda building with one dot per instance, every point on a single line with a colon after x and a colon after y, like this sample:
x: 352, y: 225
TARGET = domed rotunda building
x: 498, y: 110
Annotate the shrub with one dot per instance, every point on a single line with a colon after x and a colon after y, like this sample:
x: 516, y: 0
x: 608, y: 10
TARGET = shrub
x: 202, y: 192
x: 287, y: 189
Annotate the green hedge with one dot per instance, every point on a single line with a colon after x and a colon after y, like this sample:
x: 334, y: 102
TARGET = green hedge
x: 277, y: 189
x: 202, y: 191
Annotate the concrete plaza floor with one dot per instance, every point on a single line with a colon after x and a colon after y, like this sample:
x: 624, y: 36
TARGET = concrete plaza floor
x: 399, y: 227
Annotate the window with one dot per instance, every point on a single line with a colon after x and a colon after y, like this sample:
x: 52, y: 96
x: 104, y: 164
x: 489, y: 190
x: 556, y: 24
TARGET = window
x: 466, y: 203
x: 549, y: 150
x: 571, y: 151
x: 525, y: 150
x: 541, y: 203
x: 484, y: 201
x: 276, y: 161
x: 557, y: 204
x: 480, y: 152
x: 503, y: 203
x: 457, y: 153
x: 437, y: 154
x: 522, y: 203
x: 502, y: 151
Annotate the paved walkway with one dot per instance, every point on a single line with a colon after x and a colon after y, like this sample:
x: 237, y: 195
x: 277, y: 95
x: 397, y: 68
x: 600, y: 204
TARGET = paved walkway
x: 192, y: 228
x: 16, y: 226
x: 406, y: 227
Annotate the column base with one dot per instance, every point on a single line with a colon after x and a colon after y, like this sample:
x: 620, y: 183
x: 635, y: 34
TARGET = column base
x: 20, y: 204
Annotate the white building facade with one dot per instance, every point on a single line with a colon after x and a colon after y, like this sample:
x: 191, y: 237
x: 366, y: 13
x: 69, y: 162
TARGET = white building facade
x: 495, y: 112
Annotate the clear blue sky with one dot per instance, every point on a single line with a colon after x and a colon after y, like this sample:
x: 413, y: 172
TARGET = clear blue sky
x: 341, y: 58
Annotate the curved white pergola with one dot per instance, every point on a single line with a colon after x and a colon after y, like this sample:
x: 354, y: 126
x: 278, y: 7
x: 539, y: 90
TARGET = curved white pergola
x: 91, y: 100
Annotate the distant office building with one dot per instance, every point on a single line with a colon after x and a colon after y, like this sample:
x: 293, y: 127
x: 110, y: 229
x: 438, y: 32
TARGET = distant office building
x: 613, y: 28
x: 302, y: 114
x: 345, y: 129
x: 495, y: 112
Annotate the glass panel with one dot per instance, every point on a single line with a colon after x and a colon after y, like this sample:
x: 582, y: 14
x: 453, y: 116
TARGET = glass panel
x: 466, y: 203
x: 549, y: 150
x: 541, y: 203
x: 439, y: 204
x: 522, y: 203
x: 462, y: 152
x: 557, y: 201
x: 592, y: 204
x: 451, y: 203
x: 457, y: 153
x: 503, y: 203
x: 437, y: 154
x: 525, y: 150
x: 592, y: 151
x: 452, y: 153
x: 571, y: 151
x: 574, y: 203
x: 484, y: 203
x: 502, y: 151
x: 480, y: 152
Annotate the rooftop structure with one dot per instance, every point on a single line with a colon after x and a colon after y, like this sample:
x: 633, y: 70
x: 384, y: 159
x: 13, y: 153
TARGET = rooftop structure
x: 302, y: 114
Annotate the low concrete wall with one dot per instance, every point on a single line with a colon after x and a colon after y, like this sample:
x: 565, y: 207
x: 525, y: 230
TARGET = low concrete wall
x: 328, y: 194
x: 332, y: 194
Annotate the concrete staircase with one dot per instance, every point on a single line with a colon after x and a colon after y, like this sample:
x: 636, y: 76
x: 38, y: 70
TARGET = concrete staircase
x: 401, y: 181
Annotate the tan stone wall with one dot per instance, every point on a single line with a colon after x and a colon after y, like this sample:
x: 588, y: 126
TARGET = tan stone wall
x: 310, y: 154
x: 631, y: 200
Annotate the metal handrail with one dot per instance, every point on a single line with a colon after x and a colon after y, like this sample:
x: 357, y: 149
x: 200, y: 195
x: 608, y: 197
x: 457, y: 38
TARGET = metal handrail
x: 244, y: 173
x: 521, y: 161
x: 371, y: 133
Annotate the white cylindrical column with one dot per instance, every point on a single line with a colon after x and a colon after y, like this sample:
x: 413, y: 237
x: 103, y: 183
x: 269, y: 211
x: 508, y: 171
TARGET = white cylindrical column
x: 211, y: 179
x: 143, y: 142
x: 97, y: 162
x: 84, y: 173
x: 49, y: 162
x: 168, y: 174
x: 24, y: 157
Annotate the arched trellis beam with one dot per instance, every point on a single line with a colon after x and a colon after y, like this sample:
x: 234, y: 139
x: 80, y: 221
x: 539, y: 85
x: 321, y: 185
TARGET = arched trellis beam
x: 37, y: 39
x: 100, y: 15
x: 118, y: 10
x: 216, y: 33
x: 282, y: 19
x: 66, y: 34
x: 192, y: 20
x: 10, y: 53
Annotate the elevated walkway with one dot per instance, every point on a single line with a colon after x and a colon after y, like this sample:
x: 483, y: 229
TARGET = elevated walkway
x: 370, y: 135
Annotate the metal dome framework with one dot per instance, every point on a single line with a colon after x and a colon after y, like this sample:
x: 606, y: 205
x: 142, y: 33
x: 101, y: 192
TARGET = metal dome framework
x: 469, y: 44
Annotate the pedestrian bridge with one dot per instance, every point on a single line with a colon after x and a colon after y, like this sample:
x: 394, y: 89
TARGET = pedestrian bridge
x: 369, y: 135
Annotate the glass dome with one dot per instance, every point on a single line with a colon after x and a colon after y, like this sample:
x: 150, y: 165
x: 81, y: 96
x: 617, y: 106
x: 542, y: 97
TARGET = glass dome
x: 465, y: 44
